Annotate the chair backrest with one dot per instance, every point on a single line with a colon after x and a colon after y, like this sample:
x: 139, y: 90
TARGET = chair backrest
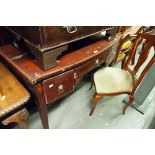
x: 127, y: 37
x: 148, y: 40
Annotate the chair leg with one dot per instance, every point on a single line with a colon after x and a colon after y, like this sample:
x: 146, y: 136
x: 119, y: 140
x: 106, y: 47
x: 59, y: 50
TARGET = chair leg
x: 95, y: 100
x: 131, y: 99
x: 92, y: 83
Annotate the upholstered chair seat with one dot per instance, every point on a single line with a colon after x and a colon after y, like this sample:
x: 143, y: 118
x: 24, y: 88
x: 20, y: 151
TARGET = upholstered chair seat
x: 112, y: 80
x: 126, y: 45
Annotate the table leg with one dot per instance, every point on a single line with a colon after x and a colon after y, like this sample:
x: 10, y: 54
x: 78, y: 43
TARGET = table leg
x: 42, y: 107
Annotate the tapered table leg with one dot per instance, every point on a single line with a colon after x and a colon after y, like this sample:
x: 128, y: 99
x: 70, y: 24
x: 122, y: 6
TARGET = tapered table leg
x: 42, y: 107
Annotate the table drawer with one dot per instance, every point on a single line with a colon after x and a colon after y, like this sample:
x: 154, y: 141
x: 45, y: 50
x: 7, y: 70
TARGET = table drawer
x: 59, y: 86
x: 87, y: 67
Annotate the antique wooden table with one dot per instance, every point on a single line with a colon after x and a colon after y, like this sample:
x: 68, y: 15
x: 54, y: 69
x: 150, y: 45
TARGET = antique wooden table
x: 48, y: 86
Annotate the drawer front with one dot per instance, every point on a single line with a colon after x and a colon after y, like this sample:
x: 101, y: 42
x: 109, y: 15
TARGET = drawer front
x: 87, y: 67
x: 59, y: 86
x: 55, y: 35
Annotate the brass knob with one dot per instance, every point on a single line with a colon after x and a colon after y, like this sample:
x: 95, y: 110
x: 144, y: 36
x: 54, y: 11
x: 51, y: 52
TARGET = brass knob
x: 97, y: 61
x: 61, y: 88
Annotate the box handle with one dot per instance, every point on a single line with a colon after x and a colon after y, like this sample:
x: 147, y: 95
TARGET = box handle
x: 61, y: 88
x: 70, y: 29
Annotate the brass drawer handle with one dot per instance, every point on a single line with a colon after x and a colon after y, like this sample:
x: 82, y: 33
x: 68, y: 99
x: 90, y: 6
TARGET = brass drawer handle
x: 70, y: 29
x: 61, y: 88
x: 97, y: 62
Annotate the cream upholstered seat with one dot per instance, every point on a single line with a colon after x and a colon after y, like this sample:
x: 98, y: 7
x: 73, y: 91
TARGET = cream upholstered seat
x: 112, y: 80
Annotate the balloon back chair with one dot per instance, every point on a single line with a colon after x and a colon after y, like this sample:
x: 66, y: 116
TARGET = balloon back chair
x: 110, y: 81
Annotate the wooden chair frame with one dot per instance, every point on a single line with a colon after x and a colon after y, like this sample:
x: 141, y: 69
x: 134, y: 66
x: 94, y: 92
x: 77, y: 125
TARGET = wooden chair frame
x: 125, y: 38
x: 150, y: 42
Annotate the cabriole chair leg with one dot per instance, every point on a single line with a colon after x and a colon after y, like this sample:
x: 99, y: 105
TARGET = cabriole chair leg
x: 95, y: 100
x: 131, y: 99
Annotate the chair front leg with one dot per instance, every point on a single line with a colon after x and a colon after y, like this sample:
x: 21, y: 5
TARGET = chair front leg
x: 131, y: 99
x: 95, y: 100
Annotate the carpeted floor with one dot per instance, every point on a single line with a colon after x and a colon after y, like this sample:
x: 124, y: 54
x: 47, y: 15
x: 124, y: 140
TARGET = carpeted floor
x: 72, y: 112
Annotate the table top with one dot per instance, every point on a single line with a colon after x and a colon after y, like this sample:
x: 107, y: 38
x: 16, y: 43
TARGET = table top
x: 25, y: 65
x: 10, y: 98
